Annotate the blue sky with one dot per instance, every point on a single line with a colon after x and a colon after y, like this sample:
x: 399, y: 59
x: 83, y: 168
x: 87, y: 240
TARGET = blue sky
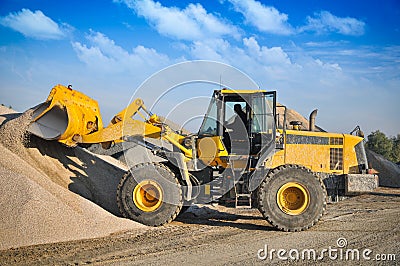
x: 342, y: 57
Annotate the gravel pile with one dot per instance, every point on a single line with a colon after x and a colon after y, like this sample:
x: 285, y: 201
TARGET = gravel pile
x: 389, y: 173
x: 50, y: 193
x: 13, y: 132
x: 292, y: 115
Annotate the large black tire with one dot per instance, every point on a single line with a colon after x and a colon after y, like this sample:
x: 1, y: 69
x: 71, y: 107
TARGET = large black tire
x: 292, y: 198
x: 163, y: 204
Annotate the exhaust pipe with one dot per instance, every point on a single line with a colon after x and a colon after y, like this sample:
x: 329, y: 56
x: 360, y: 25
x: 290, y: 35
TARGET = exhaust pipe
x: 312, y: 120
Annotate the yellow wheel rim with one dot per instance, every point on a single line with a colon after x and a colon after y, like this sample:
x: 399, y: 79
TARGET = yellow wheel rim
x: 293, y: 198
x: 148, y: 195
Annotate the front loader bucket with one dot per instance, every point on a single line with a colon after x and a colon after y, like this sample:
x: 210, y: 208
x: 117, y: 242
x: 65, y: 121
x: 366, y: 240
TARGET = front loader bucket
x: 51, y: 124
x: 66, y: 116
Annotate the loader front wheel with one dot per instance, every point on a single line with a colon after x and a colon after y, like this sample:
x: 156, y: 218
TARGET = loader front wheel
x: 150, y: 194
x: 292, y: 198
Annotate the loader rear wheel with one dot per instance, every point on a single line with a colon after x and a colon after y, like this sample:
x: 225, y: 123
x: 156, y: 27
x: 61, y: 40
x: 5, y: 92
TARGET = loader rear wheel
x: 150, y: 194
x: 292, y: 198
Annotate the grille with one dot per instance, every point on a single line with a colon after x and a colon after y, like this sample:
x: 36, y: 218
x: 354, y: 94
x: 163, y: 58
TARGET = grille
x: 336, y: 141
x: 336, y: 159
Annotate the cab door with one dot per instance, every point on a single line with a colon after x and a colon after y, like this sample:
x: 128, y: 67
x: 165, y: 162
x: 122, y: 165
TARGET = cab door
x: 262, y: 129
x: 209, y: 145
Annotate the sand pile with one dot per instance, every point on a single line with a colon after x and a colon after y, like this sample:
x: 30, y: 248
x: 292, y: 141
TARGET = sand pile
x: 50, y: 193
x: 13, y: 134
x: 292, y: 115
x: 389, y: 173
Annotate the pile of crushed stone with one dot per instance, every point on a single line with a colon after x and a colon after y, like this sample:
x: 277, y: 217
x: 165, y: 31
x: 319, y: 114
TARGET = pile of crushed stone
x: 389, y: 172
x: 292, y: 115
x: 51, y: 193
x: 13, y: 132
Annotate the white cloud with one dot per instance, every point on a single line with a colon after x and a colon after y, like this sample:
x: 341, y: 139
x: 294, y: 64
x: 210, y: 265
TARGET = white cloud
x: 272, y: 67
x: 264, y: 18
x: 269, y: 19
x: 190, y: 23
x: 334, y: 66
x: 105, y: 55
x: 324, y: 21
x: 210, y: 50
x: 34, y: 25
x: 263, y: 54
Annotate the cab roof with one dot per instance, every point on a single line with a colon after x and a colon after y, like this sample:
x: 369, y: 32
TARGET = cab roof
x: 229, y: 91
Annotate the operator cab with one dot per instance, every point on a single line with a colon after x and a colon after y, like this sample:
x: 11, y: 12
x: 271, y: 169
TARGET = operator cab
x: 243, y: 120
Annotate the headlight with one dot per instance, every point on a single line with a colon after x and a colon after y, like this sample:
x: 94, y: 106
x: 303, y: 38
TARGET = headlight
x: 187, y: 142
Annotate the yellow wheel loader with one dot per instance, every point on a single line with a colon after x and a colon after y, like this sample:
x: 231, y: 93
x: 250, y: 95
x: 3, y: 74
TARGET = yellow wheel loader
x: 243, y: 152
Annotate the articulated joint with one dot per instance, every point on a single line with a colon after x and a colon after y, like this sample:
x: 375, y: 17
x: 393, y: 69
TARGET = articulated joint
x: 180, y: 160
x: 187, y: 152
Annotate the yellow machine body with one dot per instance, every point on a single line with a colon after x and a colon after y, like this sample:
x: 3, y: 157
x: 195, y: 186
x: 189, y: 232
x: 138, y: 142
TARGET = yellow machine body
x: 331, y: 153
